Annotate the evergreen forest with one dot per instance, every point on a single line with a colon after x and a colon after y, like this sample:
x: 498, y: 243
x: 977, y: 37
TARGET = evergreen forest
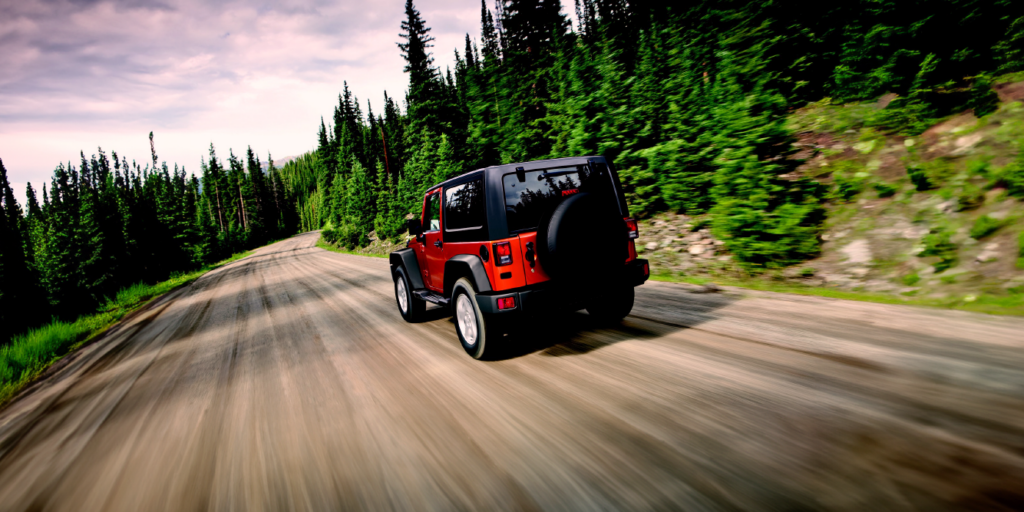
x: 689, y: 99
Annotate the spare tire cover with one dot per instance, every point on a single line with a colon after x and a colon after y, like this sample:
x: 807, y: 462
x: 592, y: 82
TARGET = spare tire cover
x: 582, y: 239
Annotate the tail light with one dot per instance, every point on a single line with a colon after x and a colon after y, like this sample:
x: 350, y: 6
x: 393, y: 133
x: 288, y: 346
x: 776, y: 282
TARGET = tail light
x: 502, y: 254
x: 633, y: 229
x: 507, y: 303
x: 647, y: 270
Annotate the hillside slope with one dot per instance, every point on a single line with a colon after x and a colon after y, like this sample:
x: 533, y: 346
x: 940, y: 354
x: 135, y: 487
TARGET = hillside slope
x: 935, y: 217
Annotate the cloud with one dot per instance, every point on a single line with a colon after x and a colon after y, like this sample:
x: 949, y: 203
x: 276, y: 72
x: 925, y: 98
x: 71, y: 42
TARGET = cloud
x: 79, y: 74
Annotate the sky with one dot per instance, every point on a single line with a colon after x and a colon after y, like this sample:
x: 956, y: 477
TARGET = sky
x: 83, y: 74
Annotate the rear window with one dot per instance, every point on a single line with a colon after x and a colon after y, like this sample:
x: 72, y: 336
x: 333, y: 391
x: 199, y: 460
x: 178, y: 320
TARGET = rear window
x: 464, y: 206
x: 527, y: 201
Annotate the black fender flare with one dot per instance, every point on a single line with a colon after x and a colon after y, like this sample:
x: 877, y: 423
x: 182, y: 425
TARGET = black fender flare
x: 465, y: 265
x: 406, y: 258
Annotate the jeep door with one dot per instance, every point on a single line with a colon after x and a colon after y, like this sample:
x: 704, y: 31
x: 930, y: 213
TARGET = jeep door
x: 433, y: 244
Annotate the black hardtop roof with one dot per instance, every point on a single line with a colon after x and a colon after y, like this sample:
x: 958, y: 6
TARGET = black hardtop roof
x: 527, y: 166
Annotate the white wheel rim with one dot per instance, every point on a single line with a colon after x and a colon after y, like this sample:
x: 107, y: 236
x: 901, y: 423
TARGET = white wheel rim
x: 466, y: 316
x: 403, y: 295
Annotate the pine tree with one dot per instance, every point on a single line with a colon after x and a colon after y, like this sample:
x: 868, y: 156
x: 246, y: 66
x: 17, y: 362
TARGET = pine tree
x: 390, y: 222
x: 447, y: 162
x: 424, y: 95
x: 17, y: 304
x: 765, y: 220
x: 361, y: 202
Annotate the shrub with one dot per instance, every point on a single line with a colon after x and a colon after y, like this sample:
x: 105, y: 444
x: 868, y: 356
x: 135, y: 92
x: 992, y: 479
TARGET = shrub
x: 1012, y: 176
x: 1020, y: 250
x: 938, y: 243
x: 329, y: 235
x: 985, y: 226
x: 700, y: 223
x: 346, y: 235
x: 847, y: 185
x: 911, y: 279
x: 351, y: 237
x: 970, y: 197
x: 919, y: 178
x: 885, y: 189
x: 979, y: 168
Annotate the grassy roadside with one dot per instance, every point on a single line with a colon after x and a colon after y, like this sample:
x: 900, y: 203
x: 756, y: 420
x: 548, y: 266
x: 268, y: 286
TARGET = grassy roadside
x: 30, y: 354
x: 1012, y: 305
x: 333, y: 248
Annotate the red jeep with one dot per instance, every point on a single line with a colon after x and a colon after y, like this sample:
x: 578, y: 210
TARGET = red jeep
x: 512, y: 240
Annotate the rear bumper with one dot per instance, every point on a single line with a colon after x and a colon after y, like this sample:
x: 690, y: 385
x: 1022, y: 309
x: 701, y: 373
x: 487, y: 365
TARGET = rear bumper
x: 548, y: 297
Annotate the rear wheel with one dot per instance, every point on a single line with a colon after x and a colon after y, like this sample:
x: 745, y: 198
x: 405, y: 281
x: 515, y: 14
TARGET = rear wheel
x: 477, y: 333
x: 409, y: 306
x: 613, y: 308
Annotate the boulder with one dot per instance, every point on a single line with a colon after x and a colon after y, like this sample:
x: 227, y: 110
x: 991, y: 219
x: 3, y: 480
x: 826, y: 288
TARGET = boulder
x: 696, y: 250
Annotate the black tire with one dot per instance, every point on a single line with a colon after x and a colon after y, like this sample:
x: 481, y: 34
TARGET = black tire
x: 582, y: 240
x: 482, y: 337
x: 414, y: 307
x: 611, y: 309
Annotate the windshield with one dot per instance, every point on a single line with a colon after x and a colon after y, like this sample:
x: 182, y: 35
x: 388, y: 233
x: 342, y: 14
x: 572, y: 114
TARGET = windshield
x: 527, y: 201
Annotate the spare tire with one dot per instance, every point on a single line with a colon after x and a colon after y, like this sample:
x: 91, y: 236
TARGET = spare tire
x: 582, y: 240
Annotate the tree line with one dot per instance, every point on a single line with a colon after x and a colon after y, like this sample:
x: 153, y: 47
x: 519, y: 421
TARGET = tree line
x: 108, y: 223
x: 689, y: 100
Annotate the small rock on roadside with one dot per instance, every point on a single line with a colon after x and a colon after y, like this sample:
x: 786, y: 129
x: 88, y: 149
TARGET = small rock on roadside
x: 709, y: 288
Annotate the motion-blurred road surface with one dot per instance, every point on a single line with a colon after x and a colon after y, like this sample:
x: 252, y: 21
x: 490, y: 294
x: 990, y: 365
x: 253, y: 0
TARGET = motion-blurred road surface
x: 288, y: 381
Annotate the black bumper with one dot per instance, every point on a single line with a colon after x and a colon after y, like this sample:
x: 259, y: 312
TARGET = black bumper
x: 551, y: 297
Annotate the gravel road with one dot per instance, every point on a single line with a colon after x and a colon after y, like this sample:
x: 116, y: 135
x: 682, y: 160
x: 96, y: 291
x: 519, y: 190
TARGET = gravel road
x: 288, y: 381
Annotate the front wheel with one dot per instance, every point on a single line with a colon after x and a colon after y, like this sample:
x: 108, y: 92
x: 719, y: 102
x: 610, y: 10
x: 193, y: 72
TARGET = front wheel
x: 613, y: 308
x: 409, y: 306
x: 477, y: 333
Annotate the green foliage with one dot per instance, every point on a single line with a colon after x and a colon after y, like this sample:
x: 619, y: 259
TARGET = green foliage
x: 970, y: 197
x: 911, y: 279
x: 346, y: 235
x: 390, y: 221
x: 985, y: 226
x: 938, y: 243
x: 1011, y: 176
x: 919, y: 178
x: 884, y: 189
x: 1020, y: 250
x: 847, y: 183
x: 1010, y: 49
x: 361, y: 207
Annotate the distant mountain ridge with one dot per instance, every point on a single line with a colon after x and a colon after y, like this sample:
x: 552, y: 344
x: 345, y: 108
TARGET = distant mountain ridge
x: 278, y: 162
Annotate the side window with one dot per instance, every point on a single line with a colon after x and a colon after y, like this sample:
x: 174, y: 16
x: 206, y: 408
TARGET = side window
x: 432, y: 213
x: 464, y: 206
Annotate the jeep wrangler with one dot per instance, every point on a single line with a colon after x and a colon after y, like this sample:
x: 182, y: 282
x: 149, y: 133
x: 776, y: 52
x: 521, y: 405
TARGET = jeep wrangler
x: 511, y: 241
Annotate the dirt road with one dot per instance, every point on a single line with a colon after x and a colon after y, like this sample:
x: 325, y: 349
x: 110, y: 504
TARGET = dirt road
x: 288, y: 381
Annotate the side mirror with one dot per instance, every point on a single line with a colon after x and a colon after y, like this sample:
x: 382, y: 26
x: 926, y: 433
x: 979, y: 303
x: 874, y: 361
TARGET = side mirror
x: 415, y: 228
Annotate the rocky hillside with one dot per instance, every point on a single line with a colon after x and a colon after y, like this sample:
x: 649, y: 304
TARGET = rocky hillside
x: 927, y: 217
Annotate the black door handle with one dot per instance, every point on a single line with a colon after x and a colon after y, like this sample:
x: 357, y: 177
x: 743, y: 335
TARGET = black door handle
x: 438, y: 244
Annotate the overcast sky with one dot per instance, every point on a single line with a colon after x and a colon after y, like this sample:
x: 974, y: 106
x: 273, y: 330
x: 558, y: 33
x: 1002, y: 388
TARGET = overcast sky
x: 82, y: 74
